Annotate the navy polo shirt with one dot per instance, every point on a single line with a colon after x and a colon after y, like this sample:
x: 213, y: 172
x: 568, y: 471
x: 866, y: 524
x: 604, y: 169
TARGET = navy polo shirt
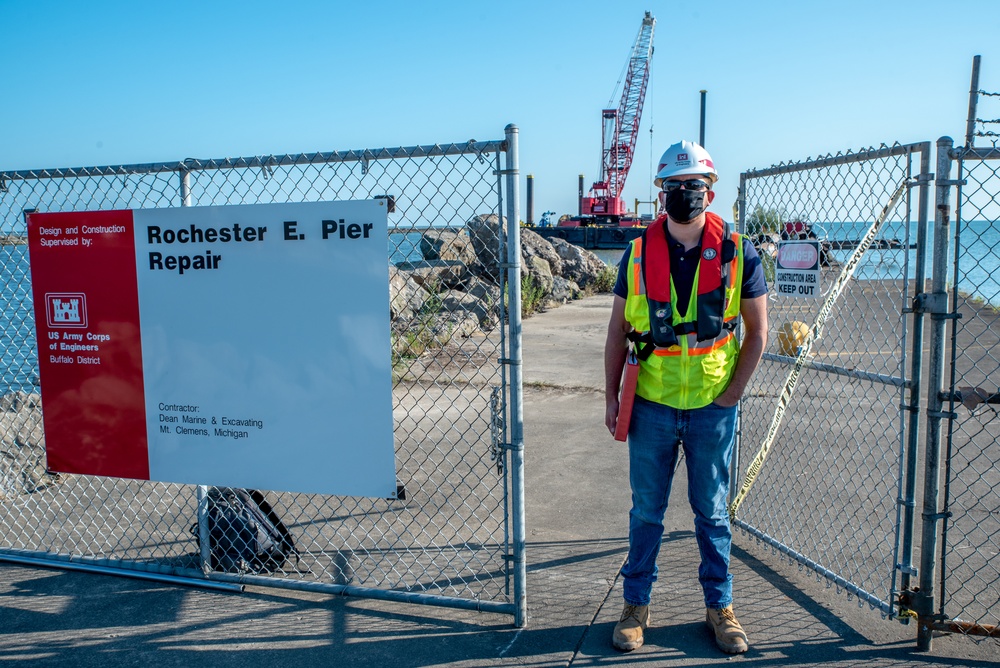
x: 684, y: 264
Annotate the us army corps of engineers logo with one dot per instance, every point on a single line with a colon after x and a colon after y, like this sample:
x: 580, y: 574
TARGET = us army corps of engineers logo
x: 66, y: 309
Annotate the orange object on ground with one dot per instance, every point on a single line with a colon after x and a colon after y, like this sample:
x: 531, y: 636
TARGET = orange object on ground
x: 627, y: 397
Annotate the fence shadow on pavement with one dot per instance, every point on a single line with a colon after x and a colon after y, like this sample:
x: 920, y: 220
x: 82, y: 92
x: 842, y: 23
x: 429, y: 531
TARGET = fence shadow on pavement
x: 59, y: 618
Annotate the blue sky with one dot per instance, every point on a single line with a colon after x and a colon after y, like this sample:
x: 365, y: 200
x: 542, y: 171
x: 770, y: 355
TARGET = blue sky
x: 97, y: 83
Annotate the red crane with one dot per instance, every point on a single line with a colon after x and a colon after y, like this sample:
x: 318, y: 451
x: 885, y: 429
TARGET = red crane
x: 620, y: 131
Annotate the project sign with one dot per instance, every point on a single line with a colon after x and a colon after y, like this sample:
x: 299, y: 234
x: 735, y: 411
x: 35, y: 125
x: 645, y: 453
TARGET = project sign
x: 243, y: 346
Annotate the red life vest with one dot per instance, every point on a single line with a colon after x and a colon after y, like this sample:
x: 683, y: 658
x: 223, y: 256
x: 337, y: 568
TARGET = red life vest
x: 717, y: 253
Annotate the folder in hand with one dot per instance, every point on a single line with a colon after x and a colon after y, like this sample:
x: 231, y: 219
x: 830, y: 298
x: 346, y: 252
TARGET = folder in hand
x: 627, y: 397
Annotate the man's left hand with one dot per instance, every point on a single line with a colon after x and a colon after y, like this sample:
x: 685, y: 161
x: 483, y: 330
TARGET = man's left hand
x: 725, y: 401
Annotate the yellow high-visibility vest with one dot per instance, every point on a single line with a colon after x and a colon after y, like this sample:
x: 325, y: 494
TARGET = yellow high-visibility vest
x: 692, y: 373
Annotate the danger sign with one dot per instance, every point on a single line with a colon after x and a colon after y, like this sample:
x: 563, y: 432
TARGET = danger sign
x: 797, y: 273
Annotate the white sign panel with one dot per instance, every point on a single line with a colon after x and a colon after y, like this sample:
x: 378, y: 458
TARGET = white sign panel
x: 259, y: 345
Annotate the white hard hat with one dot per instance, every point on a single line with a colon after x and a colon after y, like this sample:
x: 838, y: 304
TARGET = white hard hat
x: 685, y: 157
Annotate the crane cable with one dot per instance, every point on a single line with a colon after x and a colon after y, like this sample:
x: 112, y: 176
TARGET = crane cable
x: 815, y: 332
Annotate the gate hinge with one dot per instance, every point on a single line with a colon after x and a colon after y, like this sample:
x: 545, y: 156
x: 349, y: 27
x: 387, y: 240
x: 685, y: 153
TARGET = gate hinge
x: 508, y: 360
x: 950, y: 396
x: 944, y: 415
x: 921, y: 179
x: 510, y: 447
x: 907, y: 570
x: 951, y: 182
x: 937, y: 516
x: 935, y: 303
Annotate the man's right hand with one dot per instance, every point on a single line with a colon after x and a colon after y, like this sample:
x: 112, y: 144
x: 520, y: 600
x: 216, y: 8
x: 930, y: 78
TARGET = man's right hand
x: 615, y: 349
x: 611, y: 415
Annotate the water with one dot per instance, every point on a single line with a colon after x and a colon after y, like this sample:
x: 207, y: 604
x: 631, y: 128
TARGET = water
x: 980, y: 255
x: 978, y: 262
x: 19, y: 361
x: 404, y: 247
x: 609, y: 257
x: 979, y: 277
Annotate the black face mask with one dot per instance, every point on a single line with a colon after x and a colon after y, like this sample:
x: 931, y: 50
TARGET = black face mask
x: 684, y: 205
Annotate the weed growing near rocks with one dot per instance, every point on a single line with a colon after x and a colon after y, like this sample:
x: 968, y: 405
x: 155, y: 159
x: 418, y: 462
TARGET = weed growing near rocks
x: 533, y: 295
x: 604, y: 281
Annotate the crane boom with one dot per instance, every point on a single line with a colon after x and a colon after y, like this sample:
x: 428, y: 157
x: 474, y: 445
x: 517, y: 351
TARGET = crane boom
x: 621, y: 130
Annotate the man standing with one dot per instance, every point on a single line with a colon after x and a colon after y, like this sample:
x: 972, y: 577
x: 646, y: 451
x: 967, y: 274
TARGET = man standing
x: 681, y: 289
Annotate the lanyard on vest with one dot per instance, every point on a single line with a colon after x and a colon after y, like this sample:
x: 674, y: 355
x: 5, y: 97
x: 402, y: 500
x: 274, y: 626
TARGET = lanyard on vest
x: 709, y: 293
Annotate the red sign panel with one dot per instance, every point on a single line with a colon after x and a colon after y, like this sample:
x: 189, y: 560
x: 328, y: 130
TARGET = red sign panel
x: 87, y: 323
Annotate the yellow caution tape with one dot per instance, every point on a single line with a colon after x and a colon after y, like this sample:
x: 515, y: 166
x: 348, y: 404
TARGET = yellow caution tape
x: 814, y: 333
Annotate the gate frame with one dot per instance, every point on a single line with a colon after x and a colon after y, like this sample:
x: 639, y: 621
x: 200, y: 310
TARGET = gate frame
x: 510, y: 363
x: 909, y: 427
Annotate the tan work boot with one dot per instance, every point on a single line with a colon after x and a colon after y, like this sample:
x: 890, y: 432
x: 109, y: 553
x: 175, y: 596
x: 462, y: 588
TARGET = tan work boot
x: 729, y: 635
x: 628, y: 630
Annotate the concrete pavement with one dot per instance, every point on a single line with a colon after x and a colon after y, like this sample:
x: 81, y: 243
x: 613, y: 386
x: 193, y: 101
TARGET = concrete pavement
x: 577, y: 506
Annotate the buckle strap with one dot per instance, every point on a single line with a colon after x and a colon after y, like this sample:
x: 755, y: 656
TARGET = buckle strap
x: 642, y: 344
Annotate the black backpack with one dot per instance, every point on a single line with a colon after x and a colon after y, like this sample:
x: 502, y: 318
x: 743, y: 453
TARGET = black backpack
x: 245, y: 535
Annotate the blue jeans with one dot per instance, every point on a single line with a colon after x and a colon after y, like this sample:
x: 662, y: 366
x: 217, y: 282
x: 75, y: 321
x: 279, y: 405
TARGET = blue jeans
x: 707, y: 435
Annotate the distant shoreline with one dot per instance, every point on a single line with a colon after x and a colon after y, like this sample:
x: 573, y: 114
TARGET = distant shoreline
x: 13, y: 240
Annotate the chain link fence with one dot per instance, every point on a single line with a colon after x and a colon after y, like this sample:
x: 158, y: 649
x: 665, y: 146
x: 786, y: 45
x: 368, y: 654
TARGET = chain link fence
x: 960, y: 537
x: 967, y: 513
x: 839, y: 491
x: 969, y: 565
x: 828, y: 495
x: 451, y: 538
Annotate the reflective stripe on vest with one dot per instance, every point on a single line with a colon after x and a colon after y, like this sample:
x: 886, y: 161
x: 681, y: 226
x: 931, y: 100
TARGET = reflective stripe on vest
x: 692, y: 373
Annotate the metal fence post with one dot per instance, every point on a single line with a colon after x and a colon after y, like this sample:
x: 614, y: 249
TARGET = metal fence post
x: 740, y: 213
x: 185, y: 176
x: 202, y: 490
x: 938, y: 309
x: 204, y: 531
x: 908, y: 480
x: 970, y: 125
x: 513, y: 262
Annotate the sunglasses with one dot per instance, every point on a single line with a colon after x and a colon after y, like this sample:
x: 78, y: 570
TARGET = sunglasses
x: 694, y: 184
